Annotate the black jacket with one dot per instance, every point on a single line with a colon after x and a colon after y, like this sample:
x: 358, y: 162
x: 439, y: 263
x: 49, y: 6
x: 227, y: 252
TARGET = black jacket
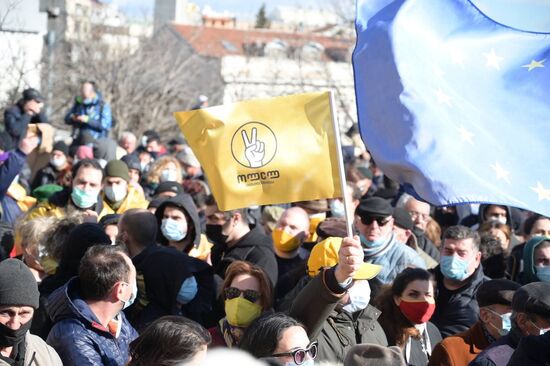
x: 17, y: 121
x: 185, y: 203
x: 335, y: 330
x: 255, y: 247
x: 160, y: 274
x: 457, y: 310
x: 532, y: 351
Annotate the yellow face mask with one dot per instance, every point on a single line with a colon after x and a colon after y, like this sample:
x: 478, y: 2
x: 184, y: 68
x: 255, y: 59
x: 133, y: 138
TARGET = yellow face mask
x: 283, y: 241
x: 240, y: 312
x: 314, y: 221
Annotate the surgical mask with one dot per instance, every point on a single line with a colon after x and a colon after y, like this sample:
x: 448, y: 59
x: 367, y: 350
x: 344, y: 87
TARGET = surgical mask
x: 454, y: 268
x: 172, y: 230
x: 58, y: 162
x: 284, y: 241
x: 500, y: 219
x: 102, y: 162
x: 143, y: 166
x: 215, y: 234
x: 337, y: 208
x: 84, y: 199
x: 506, y: 320
x: 372, y: 244
x: 543, y: 273
x: 541, y: 331
x: 132, y: 298
x: 240, y: 312
x: 188, y: 290
x: 359, y: 296
x: 168, y: 175
x: 12, y: 337
x: 116, y: 193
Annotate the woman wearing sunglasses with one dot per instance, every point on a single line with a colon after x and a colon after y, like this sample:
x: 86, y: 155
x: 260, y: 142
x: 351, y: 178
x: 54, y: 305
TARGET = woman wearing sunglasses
x: 407, y: 307
x: 247, y: 293
x: 279, y: 337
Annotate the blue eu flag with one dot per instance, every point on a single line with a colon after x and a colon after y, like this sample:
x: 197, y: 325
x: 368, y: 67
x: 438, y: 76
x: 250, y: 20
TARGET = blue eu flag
x: 454, y: 103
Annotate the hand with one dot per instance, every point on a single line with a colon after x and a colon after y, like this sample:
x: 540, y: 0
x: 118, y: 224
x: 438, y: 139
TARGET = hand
x: 82, y: 118
x: 254, y: 149
x: 28, y: 144
x: 350, y: 259
x: 90, y: 216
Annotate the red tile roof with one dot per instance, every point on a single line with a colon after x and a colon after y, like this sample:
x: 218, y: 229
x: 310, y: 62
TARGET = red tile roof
x: 209, y: 41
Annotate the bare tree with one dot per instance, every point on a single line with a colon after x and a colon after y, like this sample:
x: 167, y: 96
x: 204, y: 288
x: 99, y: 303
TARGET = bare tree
x: 143, y: 86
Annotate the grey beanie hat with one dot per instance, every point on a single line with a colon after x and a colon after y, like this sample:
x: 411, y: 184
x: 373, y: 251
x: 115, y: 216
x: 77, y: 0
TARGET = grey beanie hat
x: 17, y: 284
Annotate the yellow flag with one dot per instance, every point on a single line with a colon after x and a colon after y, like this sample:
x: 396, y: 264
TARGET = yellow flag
x: 266, y: 151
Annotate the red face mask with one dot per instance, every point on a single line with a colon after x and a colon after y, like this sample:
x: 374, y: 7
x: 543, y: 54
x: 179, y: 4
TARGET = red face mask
x: 417, y: 312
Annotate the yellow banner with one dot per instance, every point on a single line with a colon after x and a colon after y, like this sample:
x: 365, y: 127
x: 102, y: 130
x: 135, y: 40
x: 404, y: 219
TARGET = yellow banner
x: 266, y: 151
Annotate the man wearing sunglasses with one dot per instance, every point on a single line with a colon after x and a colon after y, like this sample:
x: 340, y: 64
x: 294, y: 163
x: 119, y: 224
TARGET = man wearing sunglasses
x: 374, y: 221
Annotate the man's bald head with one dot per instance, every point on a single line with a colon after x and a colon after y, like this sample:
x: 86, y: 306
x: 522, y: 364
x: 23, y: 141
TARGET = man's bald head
x: 294, y: 220
x: 140, y: 225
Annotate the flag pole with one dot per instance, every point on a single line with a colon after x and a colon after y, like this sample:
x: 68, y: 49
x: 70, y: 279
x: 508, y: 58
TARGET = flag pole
x: 343, y: 186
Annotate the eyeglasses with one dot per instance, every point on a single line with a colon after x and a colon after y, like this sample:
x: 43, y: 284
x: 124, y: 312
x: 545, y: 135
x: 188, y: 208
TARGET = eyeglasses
x: 381, y: 221
x: 299, y: 355
x: 250, y: 295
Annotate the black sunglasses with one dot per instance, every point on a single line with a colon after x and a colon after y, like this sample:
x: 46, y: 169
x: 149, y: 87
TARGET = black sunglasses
x: 299, y: 355
x: 250, y: 295
x: 381, y: 221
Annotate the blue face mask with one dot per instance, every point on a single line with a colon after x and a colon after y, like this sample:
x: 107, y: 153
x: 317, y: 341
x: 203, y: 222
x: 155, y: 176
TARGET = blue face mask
x: 84, y: 199
x: 372, y: 244
x: 172, y: 230
x: 132, y: 298
x: 188, y: 290
x: 543, y: 273
x: 506, y: 320
x: 359, y: 296
x: 337, y: 208
x: 454, y: 268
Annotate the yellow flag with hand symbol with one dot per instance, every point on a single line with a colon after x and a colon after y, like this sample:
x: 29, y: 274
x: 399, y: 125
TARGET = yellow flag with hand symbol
x: 266, y: 151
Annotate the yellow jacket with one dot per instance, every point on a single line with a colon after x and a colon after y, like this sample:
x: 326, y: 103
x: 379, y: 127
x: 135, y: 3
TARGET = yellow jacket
x: 134, y: 199
x: 56, y: 206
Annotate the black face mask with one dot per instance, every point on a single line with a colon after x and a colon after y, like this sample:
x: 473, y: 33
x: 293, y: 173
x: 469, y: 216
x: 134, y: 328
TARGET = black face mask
x: 214, y: 233
x: 10, y: 337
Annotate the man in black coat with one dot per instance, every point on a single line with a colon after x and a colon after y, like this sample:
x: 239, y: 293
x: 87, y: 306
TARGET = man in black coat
x: 234, y: 239
x: 27, y: 110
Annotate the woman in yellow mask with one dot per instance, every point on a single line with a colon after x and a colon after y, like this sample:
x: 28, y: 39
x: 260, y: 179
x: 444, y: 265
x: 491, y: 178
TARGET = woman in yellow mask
x: 247, y: 293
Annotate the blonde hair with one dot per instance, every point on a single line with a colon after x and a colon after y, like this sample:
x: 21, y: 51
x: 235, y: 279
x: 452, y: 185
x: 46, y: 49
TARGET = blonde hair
x: 32, y: 232
x: 158, y: 166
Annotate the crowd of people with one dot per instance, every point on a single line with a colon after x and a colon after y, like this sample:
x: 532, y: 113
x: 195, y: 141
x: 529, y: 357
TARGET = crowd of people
x: 114, y: 252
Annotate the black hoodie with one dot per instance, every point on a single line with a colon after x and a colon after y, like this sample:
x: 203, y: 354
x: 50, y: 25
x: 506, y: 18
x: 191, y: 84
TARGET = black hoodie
x: 185, y: 203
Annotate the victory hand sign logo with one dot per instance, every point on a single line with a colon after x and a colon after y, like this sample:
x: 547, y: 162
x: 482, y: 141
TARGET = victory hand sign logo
x: 254, y: 149
x: 254, y: 145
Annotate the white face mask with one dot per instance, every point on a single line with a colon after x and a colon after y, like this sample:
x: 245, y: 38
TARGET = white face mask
x: 359, y: 296
x: 500, y: 219
x: 116, y: 193
x: 58, y: 162
x: 168, y: 175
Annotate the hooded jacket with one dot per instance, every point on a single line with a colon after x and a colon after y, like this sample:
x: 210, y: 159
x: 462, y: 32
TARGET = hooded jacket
x: 99, y: 116
x: 77, y: 335
x: 160, y: 275
x: 255, y: 247
x: 529, y: 270
x: 185, y: 203
x: 457, y: 310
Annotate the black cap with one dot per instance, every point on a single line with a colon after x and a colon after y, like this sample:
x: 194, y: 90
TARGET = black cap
x: 132, y: 161
x: 32, y: 94
x: 374, y: 207
x: 402, y: 218
x: 173, y: 187
x: 156, y: 202
x: 533, y: 298
x: 110, y: 219
x: 81, y: 238
x: 61, y: 146
x: 496, y: 292
x: 178, y: 140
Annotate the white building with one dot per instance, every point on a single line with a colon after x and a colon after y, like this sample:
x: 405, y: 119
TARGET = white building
x: 21, y: 39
